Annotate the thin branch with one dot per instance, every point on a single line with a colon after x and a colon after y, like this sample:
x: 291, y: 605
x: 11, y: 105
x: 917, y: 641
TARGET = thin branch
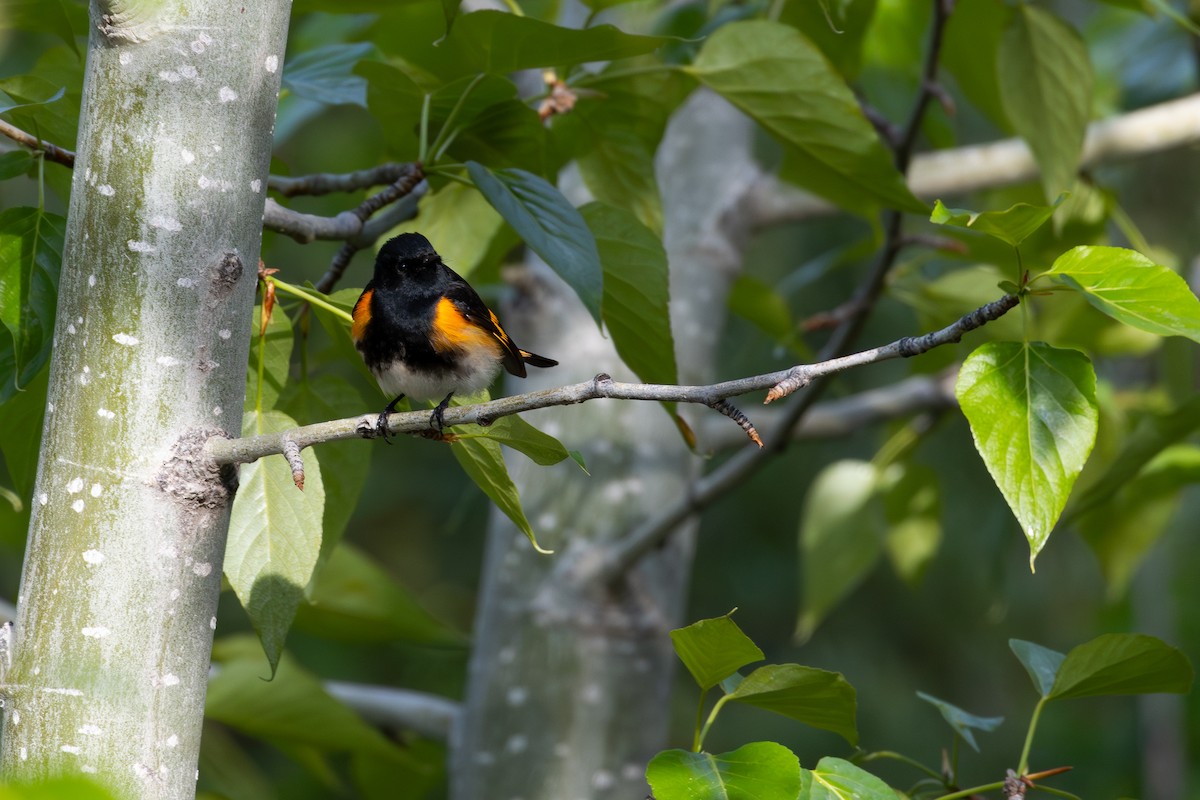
x: 240, y: 451
x: 834, y: 419
x: 52, y: 151
x: 427, y: 714
x: 929, y: 85
x: 960, y: 170
x: 327, y: 183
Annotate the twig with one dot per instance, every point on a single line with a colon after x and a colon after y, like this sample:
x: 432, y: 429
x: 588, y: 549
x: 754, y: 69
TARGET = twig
x: 52, y: 151
x: 326, y: 183
x: 929, y: 85
x: 426, y: 714
x: 240, y: 451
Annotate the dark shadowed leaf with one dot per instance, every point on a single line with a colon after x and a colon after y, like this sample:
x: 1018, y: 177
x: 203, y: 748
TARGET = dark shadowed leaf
x: 1041, y: 663
x: 963, y: 723
x: 326, y: 74
x: 1122, y: 663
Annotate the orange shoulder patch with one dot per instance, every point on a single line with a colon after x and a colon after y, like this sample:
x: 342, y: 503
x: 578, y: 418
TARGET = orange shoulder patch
x: 453, y: 331
x: 361, y: 315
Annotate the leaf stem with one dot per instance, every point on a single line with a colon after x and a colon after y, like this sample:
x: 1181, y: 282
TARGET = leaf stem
x: 696, y: 739
x: 912, y: 762
x: 309, y: 297
x: 1023, y: 764
x: 987, y: 787
x: 454, y: 112
x: 423, y: 147
x: 712, y: 717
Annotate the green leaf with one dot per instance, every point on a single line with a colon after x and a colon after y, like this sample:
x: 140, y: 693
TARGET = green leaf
x: 292, y: 708
x: 961, y: 721
x: 1046, y: 87
x: 48, y: 16
x: 353, y: 600
x: 483, y: 462
x: 1130, y: 288
x: 514, y: 432
x: 412, y: 773
x: 714, y: 649
x: 756, y: 771
x: 1134, y: 516
x: 550, y: 225
x: 326, y: 74
x: 822, y: 699
x: 274, y: 350
x: 31, y: 245
x: 1013, y: 225
x: 274, y: 536
x: 635, y: 292
x: 73, y: 787
x: 506, y: 134
x: 1122, y: 663
x: 613, y: 133
x: 21, y: 433
x: 841, y: 536
x: 227, y: 771
x: 14, y: 163
x: 761, y: 305
x: 837, y: 28
x: 339, y: 333
x: 836, y: 779
x: 913, y: 509
x: 775, y: 75
x: 500, y: 43
x: 1033, y: 413
x: 343, y: 467
x: 1041, y: 663
x: 395, y: 100
x: 30, y: 101
x: 969, y: 52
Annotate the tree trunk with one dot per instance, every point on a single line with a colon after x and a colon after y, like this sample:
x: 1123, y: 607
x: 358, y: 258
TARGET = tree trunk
x: 569, y: 685
x: 110, y: 653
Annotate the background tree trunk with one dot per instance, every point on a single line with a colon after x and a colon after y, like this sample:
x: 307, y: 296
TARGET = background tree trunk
x: 569, y: 685
x: 116, y: 613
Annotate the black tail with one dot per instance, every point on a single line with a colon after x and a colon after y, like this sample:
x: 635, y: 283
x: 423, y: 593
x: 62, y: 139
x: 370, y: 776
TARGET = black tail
x: 536, y: 360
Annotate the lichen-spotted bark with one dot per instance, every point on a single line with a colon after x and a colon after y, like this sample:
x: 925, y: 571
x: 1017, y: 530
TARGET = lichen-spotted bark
x: 122, y: 572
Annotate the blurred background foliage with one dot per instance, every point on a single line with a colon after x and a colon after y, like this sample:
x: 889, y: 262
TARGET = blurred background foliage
x: 942, y: 630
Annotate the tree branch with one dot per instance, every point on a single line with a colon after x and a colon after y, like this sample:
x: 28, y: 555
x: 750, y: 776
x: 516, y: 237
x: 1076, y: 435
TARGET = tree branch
x: 427, y: 714
x: 52, y: 151
x: 244, y: 450
x: 960, y: 170
x: 327, y: 183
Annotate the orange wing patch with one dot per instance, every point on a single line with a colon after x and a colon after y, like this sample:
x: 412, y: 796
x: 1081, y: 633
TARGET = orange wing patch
x: 361, y: 315
x: 453, y: 331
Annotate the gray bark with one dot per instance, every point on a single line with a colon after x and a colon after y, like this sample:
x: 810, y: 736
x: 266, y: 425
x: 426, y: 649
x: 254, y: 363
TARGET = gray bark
x: 569, y: 685
x: 110, y: 652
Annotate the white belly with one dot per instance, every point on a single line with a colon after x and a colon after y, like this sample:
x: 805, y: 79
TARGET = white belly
x: 476, y: 372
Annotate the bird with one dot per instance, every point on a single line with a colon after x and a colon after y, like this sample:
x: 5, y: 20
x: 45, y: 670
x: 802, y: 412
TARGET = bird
x: 424, y: 333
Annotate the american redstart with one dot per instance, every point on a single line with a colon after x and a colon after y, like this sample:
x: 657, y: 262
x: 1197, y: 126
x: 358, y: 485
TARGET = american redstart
x: 424, y: 332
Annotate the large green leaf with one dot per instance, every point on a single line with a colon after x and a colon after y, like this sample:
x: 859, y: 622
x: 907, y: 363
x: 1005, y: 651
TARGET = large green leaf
x: 816, y: 697
x: 969, y: 51
x: 274, y: 535
x: 714, y: 649
x: 31, y: 244
x: 1012, y: 225
x: 344, y: 468
x: 776, y: 75
x: 49, y: 16
x: 293, y: 708
x: 353, y: 600
x: 1122, y: 663
x: 499, y: 42
x: 635, y: 292
x: 326, y: 74
x: 756, y: 771
x: 483, y: 462
x: 505, y: 134
x: 270, y: 359
x: 1123, y: 529
x: 1131, y: 288
x: 14, y: 163
x: 21, y: 433
x: 1046, y: 87
x: 514, y: 432
x: 964, y: 723
x: 841, y: 537
x: 837, y: 779
x: 1041, y: 663
x: 395, y: 100
x: 1033, y: 413
x: 550, y: 225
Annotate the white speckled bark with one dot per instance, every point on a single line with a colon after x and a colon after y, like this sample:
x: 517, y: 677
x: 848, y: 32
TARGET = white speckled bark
x: 123, y: 566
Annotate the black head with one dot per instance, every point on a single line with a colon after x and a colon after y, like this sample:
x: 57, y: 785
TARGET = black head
x: 406, y: 247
